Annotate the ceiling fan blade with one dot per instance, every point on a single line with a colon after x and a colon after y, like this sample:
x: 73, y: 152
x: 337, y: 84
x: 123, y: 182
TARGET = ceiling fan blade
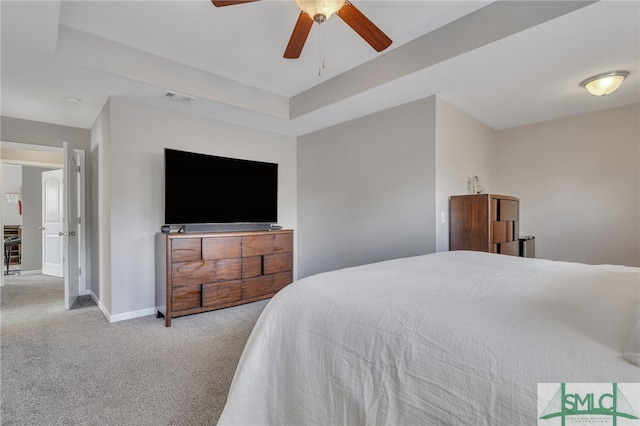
x: 364, y: 27
x: 298, y: 36
x: 220, y: 3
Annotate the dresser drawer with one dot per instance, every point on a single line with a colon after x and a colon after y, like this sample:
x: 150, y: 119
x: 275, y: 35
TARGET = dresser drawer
x: 221, y: 248
x: 184, y: 298
x: 281, y: 280
x: 251, y: 266
x: 279, y: 262
x: 228, y: 269
x: 191, y: 273
x: 257, y: 245
x: 256, y: 287
x: 504, y: 231
x: 508, y: 210
x: 511, y: 248
x: 220, y: 294
x: 186, y: 250
x: 499, y: 232
x: 283, y: 243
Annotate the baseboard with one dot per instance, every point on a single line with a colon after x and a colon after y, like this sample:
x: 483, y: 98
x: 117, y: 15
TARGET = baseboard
x: 32, y: 272
x: 121, y: 317
x: 132, y: 315
x: 102, y: 308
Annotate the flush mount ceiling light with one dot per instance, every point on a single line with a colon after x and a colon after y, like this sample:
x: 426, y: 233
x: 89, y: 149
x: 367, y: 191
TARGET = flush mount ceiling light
x: 604, y: 84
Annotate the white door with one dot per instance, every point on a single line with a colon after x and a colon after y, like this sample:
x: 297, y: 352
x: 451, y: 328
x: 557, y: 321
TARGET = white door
x: 52, y: 223
x: 71, y: 227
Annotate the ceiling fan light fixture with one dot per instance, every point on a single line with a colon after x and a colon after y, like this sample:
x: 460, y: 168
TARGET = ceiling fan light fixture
x: 604, y: 84
x: 320, y: 10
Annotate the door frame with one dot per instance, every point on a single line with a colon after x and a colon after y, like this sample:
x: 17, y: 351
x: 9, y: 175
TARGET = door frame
x: 84, y: 290
x: 82, y: 240
x: 73, y: 223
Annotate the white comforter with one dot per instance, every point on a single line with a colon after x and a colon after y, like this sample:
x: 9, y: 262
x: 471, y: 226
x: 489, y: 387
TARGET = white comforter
x: 453, y: 338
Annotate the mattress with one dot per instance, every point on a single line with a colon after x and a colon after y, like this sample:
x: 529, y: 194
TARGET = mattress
x: 451, y: 338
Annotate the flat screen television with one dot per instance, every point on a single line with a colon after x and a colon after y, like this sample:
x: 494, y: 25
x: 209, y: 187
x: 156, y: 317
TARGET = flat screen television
x: 207, y: 189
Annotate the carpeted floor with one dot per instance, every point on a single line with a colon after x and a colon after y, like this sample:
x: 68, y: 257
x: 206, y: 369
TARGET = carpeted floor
x: 74, y: 368
x: 83, y: 302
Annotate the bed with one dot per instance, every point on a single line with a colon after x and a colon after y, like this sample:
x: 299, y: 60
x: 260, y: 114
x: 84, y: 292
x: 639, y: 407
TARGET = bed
x: 451, y: 338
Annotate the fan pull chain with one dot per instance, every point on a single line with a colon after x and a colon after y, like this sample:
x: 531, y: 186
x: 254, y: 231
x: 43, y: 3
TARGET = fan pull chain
x: 321, y: 63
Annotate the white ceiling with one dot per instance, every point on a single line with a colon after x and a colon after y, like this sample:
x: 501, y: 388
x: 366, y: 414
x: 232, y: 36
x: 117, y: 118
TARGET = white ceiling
x: 506, y: 63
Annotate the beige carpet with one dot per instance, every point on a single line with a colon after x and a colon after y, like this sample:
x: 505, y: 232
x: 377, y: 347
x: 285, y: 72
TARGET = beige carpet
x: 74, y: 368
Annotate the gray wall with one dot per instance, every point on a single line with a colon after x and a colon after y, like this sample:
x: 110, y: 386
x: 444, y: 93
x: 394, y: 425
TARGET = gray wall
x: 366, y: 189
x: 578, y: 180
x: 464, y: 148
x: 35, y: 132
x: 132, y: 188
x: 100, y: 225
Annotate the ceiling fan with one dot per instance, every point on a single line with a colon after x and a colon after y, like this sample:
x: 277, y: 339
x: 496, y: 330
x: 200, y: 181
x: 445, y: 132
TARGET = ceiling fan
x: 319, y: 11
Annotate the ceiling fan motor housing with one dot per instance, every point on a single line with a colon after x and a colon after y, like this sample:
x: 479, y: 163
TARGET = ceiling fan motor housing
x: 320, y: 10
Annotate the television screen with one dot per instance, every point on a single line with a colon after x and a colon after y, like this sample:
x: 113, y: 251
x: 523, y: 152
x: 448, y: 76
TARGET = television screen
x: 203, y: 188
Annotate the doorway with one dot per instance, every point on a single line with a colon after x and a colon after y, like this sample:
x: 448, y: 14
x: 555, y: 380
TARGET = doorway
x: 12, y: 218
x: 33, y: 160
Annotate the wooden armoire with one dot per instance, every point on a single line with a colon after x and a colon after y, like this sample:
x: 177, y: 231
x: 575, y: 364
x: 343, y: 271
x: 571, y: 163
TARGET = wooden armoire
x: 484, y: 222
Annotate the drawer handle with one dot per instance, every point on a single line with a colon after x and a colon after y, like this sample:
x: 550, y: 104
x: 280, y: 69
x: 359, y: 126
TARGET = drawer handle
x: 179, y: 249
x: 200, y: 265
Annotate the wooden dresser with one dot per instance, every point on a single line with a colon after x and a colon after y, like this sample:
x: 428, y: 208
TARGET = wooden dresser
x: 484, y: 222
x: 202, y: 272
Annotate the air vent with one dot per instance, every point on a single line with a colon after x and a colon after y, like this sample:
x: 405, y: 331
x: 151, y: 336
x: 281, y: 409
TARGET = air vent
x: 175, y: 96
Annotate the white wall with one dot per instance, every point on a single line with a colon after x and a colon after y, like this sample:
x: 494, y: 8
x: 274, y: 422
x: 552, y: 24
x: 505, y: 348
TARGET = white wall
x: 134, y: 176
x: 366, y: 189
x: 464, y: 148
x: 578, y: 180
